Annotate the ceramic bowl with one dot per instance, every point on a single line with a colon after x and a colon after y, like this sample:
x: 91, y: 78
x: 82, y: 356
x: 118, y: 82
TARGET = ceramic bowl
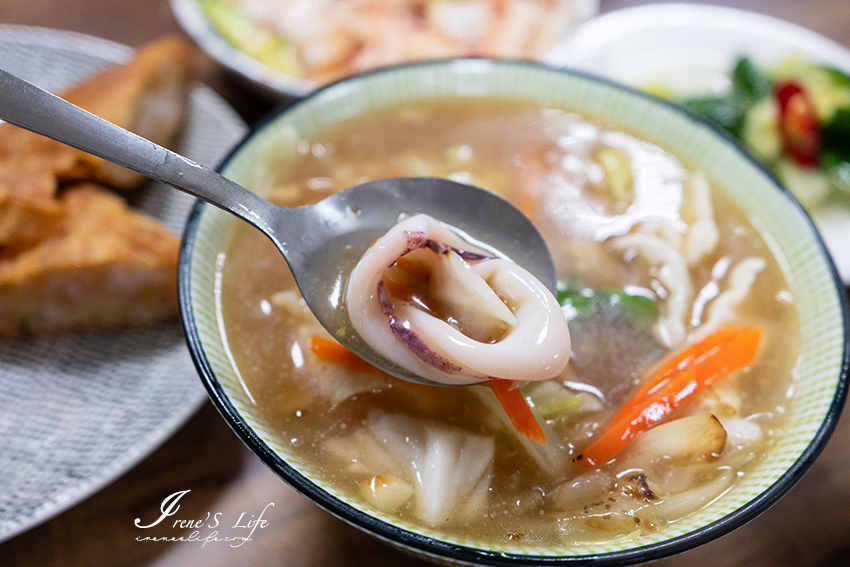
x: 821, y: 370
x: 690, y: 48
x: 276, y: 83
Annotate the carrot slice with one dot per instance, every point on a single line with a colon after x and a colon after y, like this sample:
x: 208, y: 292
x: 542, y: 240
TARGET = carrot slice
x: 509, y: 396
x: 677, y: 380
x: 517, y: 409
x: 331, y: 351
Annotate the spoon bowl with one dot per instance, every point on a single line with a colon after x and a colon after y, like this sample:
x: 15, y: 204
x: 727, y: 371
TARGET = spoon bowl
x: 321, y: 242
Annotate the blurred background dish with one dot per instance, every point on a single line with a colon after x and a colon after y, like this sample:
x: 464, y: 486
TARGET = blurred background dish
x: 292, y: 46
x: 79, y: 410
x: 687, y: 50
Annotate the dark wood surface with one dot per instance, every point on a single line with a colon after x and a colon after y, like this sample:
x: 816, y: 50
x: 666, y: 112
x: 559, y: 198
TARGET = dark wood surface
x: 809, y: 526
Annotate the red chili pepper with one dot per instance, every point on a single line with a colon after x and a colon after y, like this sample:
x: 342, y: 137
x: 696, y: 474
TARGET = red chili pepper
x: 798, y: 123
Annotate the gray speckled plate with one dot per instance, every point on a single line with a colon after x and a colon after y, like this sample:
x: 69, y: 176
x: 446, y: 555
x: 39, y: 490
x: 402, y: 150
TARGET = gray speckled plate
x: 78, y: 411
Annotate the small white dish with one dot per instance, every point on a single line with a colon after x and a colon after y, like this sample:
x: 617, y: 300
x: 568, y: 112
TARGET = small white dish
x: 691, y: 48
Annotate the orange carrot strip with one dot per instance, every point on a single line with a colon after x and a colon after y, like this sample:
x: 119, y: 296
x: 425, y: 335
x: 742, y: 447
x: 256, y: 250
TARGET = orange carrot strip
x: 331, y: 351
x: 517, y: 409
x: 510, y: 397
x: 681, y: 377
x: 738, y: 345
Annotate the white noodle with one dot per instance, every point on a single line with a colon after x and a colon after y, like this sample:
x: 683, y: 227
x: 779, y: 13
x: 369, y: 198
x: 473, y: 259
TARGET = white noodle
x: 722, y: 309
x: 673, y: 274
x: 683, y: 503
x: 703, y: 235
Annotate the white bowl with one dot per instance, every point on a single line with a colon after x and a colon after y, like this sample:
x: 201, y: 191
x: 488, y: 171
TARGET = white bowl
x: 692, y: 47
x: 277, y: 83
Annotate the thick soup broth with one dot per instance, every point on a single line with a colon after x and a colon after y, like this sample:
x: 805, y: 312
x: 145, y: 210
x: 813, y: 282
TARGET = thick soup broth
x: 650, y: 260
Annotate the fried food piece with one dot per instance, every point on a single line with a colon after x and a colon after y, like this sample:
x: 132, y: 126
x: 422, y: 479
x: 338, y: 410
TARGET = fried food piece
x: 28, y: 207
x: 106, y: 265
x: 148, y: 96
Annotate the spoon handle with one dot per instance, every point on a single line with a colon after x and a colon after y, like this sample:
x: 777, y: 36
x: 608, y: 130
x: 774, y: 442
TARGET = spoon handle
x: 32, y: 108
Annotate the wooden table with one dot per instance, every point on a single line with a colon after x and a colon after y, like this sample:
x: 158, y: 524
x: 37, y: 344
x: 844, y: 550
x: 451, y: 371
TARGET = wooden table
x: 810, y: 526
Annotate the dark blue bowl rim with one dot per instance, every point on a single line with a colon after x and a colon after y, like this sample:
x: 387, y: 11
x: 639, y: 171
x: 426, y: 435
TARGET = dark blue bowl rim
x: 454, y: 552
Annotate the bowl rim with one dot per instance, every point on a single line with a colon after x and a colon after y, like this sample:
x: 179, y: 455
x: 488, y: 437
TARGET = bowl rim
x: 443, y: 550
x: 271, y: 82
x: 709, y: 38
x: 279, y: 84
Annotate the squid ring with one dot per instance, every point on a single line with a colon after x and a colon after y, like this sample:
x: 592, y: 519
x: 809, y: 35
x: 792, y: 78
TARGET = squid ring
x: 534, y: 346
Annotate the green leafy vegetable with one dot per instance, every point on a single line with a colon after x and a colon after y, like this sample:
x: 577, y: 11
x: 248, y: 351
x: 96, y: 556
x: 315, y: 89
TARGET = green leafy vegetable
x: 582, y: 302
x: 751, y: 111
x: 727, y: 111
x: 836, y: 164
x: 749, y: 81
x: 836, y: 133
x: 580, y: 299
x: 838, y: 78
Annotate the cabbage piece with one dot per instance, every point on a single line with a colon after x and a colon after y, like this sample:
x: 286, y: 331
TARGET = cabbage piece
x: 333, y: 382
x: 692, y: 439
x: 385, y: 492
x: 461, y: 291
x: 617, y: 164
x: 549, y: 456
x: 448, y: 469
x: 554, y: 400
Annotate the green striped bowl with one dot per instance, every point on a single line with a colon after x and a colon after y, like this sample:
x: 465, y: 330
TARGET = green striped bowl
x: 821, y: 371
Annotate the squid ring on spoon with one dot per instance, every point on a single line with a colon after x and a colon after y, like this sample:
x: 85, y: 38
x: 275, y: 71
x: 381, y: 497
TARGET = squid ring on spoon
x: 453, y: 313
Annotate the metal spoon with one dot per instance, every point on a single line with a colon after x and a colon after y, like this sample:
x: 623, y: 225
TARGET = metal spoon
x: 321, y: 242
